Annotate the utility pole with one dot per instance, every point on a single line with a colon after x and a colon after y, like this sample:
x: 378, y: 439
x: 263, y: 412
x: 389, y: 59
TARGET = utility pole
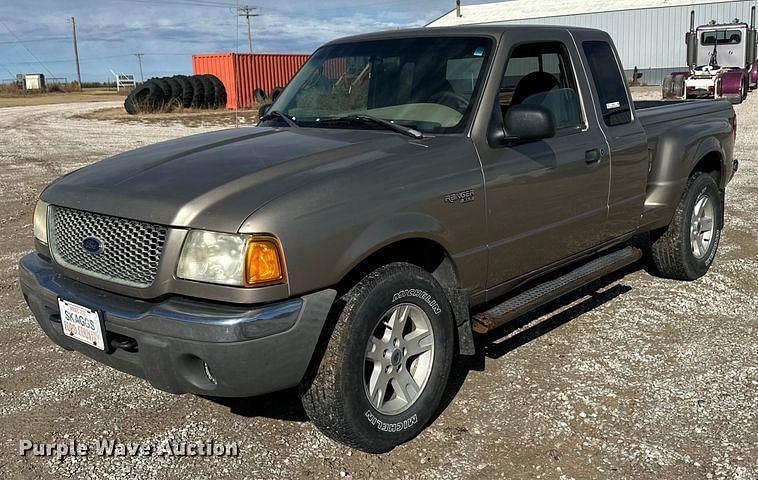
x: 141, y: 75
x: 76, y: 54
x: 247, y: 12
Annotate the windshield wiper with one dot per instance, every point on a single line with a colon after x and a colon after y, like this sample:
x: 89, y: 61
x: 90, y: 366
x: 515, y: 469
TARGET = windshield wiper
x: 363, y: 118
x: 277, y: 114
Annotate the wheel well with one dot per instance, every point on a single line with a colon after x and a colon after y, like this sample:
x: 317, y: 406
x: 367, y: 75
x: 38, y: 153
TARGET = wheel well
x: 710, y: 164
x: 425, y: 253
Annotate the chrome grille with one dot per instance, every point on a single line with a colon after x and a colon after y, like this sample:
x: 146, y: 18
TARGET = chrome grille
x: 129, y: 254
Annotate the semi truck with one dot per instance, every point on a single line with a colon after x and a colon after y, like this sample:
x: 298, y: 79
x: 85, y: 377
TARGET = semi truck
x: 721, y: 59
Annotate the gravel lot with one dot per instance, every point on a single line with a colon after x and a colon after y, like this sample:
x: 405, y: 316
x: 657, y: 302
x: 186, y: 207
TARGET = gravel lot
x: 634, y: 377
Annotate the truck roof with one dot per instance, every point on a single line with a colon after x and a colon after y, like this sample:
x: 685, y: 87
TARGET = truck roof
x: 493, y: 30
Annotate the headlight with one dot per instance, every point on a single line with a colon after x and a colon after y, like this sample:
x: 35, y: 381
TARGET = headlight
x: 40, y: 221
x: 231, y: 259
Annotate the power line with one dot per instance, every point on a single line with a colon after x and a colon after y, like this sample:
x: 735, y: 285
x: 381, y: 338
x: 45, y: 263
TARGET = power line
x: 190, y: 3
x: 87, y: 60
x: 35, y: 40
x: 7, y: 70
x: 27, y: 49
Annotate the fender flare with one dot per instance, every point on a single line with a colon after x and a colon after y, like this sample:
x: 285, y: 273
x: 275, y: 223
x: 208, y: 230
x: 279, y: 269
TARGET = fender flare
x: 389, y: 230
x: 731, y: 81
x: 683, y: 148
x: 413, y: 226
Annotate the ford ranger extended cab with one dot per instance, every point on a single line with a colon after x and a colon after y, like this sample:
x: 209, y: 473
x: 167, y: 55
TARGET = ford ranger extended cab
x: 407, y: 191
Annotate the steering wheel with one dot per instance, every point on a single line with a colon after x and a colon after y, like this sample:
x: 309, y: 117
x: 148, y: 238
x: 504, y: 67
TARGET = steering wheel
x: 450, y: 99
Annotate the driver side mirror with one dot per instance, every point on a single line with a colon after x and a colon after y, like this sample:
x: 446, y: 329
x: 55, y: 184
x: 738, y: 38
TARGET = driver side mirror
x: 522, y: 123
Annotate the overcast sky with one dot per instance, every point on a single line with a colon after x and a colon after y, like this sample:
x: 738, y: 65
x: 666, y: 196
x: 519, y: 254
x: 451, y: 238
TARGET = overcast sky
x: 35, y: 36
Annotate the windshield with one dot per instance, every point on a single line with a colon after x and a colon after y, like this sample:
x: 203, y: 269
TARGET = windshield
x: 721, y: 37
x: 426, y: 83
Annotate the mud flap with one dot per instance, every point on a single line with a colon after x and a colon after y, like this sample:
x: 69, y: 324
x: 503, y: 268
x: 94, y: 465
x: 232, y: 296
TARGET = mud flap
x: 459, y: 304
x: 721, y: 220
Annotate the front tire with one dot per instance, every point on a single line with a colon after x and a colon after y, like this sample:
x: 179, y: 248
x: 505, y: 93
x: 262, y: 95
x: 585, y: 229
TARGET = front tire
x: 387, y: 362
x: 686, y: 248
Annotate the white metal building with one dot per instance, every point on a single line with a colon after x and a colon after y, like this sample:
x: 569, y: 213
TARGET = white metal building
x: 649, y: 34
x: 34, y: 81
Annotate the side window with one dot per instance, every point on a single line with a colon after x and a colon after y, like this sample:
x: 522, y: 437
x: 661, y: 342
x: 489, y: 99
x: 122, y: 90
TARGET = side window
x: 609, y: 83
x: 540, y: 74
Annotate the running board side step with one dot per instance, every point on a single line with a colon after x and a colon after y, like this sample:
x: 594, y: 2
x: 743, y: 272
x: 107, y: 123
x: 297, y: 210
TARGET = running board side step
x: 546, y: 292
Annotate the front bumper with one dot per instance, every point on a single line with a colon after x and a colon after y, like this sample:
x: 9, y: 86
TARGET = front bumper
x: 176, y: 343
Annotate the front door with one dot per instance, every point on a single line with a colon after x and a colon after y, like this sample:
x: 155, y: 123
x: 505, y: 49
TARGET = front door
x: 546, y: 199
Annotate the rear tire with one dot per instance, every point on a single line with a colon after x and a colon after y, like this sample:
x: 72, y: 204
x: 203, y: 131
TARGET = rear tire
x: 187, y: 90
x: 209, y: 91
x: 219, y: 91
x: 146, y: 98
x: 198, y: 92
x: 685, y: 250
x: 667, y: 87
x: 165, y: 88
x: 363, y: 391
x: 275, y: 93
x: 176, y: 92
x: 678, y: 86
x: 260, y: 96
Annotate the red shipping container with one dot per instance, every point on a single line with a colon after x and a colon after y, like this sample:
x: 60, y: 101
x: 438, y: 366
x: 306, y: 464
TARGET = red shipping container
x: 242, y: 73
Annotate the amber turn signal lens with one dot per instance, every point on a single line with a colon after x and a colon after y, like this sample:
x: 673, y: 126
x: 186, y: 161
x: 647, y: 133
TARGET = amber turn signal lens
x: 263, y: 263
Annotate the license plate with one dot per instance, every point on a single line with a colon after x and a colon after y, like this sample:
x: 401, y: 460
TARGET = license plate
x: 81, y: 323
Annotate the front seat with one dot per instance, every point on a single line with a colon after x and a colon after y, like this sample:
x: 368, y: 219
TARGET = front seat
x: 533, y: 83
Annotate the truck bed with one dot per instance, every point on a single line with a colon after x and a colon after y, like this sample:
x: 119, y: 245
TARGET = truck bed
x: 658, y: 116
x: 674, y: 120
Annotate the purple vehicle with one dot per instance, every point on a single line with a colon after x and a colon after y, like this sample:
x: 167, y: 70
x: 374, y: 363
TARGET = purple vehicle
x: 722, y: 62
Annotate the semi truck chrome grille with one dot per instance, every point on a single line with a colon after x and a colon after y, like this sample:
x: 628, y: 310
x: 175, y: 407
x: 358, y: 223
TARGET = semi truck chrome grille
x: 116, y: 249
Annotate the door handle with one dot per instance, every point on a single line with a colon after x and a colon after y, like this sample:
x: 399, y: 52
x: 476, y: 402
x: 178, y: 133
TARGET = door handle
x: 593, y: 156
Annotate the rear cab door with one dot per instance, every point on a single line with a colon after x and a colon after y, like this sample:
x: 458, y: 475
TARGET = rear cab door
x: 624, y: 134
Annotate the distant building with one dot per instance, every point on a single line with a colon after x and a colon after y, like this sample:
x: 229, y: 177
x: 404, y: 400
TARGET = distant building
x: 33, y: 81
x: 649, y: 34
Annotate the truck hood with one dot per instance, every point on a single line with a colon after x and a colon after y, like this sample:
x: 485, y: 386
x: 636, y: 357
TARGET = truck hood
x: 216, y: 180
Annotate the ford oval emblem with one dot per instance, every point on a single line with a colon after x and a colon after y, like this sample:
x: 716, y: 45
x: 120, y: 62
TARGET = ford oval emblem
x: 92, y: 245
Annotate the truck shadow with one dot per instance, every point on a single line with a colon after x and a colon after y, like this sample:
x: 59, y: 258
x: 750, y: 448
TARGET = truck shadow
x: 519, y: 332
x: 284, y: 405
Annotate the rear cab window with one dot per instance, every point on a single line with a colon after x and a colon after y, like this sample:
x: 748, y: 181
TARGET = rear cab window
x: 609, y: 82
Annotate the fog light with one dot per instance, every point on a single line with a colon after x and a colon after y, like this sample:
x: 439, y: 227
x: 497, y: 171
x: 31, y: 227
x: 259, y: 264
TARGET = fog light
x: 209, y: 374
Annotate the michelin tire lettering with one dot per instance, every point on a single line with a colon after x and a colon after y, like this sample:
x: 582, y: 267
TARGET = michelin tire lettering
x: 391, y: 427
x: 421, y: 294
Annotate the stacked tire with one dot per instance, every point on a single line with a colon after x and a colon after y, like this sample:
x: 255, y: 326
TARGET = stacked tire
x: 180, y: 91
